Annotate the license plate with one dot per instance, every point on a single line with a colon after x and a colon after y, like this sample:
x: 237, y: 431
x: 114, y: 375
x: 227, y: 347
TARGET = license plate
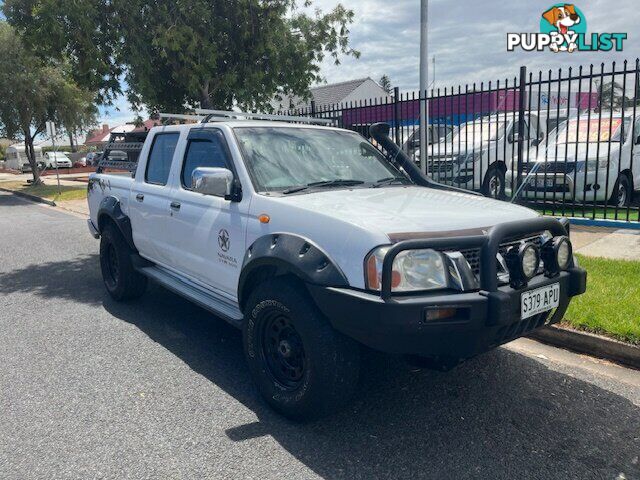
x: 545, y: 182
x: 539, y: 300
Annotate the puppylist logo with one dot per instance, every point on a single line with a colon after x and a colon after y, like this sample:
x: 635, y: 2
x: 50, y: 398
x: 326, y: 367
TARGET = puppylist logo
x: 563, y: 28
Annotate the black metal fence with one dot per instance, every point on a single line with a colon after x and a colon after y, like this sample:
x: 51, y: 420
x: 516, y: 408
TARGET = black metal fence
x: 565, y: 142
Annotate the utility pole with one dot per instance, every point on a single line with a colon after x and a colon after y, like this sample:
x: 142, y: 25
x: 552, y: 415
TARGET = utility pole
x: 424, y: 85
x: 51, y: 130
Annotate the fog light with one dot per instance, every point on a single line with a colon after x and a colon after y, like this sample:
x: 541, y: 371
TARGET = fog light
x: 556, y: 254
x: 563, y: 252
x: 523, y: 263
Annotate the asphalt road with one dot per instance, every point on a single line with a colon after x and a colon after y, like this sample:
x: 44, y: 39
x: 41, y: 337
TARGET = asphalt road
x: 158, y: 388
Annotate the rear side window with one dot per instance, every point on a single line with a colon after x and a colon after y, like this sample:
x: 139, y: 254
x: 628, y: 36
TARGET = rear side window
x: 203, y: 153
x: 159, y: 163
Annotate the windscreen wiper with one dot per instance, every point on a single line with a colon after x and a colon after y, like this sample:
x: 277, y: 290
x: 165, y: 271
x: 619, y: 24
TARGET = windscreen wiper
x: 389, y: 181
x: 338, y: 182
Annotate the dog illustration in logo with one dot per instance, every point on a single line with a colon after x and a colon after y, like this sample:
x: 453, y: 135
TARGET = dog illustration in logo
x: 563, y: 18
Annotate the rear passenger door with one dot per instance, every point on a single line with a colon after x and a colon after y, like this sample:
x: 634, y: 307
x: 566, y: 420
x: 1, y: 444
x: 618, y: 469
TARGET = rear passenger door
x: 149, y: 200
x: 209, y: 239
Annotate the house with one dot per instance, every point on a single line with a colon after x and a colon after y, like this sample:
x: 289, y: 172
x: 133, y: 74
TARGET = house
x: 334, y: 94
x: 99, y: 138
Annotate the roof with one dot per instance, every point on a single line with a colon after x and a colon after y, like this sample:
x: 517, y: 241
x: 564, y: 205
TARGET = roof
x: 103, y: 137
x: 322, y: 95
x: 336, y: 92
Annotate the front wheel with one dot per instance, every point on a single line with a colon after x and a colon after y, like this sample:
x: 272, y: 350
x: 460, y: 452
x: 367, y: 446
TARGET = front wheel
x: 302, y: 367
x: 494, y: 183
x: 622, y: 192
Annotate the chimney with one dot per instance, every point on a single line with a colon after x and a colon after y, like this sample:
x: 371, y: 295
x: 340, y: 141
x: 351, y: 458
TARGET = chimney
x: 105, y: 128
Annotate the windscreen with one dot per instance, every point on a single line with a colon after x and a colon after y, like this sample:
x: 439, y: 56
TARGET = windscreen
x: 584, y: 130
x: 284, y: 158
x: 478, y: 132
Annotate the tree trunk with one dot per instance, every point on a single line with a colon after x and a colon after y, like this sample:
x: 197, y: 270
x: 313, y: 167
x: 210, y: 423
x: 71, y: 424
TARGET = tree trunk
x: 31, y: 155
x: 205, y: 99
x: 73, y: 146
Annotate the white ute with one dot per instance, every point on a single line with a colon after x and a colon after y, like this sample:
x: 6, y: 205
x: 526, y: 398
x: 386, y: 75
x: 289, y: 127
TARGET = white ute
x: 313, y: 242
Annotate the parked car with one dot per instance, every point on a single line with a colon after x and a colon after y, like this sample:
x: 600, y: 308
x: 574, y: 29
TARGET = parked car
x: 589, y: 158
x: 410, y: 135
x: 478, y: 154
x: 93, y: 158
x: 80, y: 163
x: 57, y: 160
x: 312, y: 242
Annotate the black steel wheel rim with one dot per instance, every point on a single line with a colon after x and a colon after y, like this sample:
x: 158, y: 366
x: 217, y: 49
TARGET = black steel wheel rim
x: 113, y: 264
x: 282, y: 349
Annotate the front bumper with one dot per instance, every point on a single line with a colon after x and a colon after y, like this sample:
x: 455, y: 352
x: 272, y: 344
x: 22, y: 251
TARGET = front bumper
x: 483, y: 320
x: 486, y: 315
x: 578, y: 187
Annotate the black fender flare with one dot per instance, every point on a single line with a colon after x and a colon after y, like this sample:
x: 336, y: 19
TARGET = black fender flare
x: 289, y: 254
x: 110, y: 208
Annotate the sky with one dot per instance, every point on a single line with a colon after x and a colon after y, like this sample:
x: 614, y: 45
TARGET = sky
x: 467, y: 38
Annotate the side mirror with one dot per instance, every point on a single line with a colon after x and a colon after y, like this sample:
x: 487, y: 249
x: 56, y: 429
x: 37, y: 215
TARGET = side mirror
x: 535, y: 142
x: 217, y: 182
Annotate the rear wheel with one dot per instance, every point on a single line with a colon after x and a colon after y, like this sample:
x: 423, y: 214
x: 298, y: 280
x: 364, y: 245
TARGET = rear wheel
x: 622, y: 192
x: 120, y: 278
x: 494, y: 183
x: 302, y: 367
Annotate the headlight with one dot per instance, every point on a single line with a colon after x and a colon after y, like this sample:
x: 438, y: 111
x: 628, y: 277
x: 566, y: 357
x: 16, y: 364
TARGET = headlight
x: 412, y: 270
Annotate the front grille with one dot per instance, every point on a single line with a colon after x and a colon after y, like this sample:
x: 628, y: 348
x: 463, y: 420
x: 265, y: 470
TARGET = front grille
x: 549, y: 167
x: 440, y: 167
x: 472, y: 255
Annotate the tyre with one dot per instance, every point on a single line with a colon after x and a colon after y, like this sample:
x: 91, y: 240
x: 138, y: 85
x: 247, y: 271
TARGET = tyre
x: 622, y: 192
x: 120, y: 278
x: 303, y: 368
x: 494, y: 183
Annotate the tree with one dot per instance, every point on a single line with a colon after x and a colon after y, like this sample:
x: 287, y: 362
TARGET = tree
x: 385, y: 83
x: 183, y: 54
x: 611, y: 95
x: 32, y: 93
x: 80, y: 32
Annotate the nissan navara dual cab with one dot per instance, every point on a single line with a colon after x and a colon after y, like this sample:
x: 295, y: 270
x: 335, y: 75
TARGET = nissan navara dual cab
x: 314, y: 243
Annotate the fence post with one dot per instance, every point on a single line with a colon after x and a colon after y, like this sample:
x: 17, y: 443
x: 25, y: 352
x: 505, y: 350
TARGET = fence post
x: 521, y: 123
x: 313, y: 108
x: 396, y: 115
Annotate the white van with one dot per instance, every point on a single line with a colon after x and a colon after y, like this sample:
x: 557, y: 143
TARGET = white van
x: 16, y: 158
x: 590, y: 158
x: 477, y: 155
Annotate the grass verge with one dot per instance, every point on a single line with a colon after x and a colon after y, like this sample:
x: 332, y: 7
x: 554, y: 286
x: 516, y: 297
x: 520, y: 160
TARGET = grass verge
x: 49, y: 191
x: 611, y: 304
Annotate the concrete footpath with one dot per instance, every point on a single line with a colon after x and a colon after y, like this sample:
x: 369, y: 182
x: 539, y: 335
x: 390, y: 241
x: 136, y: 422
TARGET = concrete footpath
x: 620, y: 244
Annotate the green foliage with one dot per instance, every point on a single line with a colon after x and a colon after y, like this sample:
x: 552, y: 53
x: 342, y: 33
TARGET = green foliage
x: 33, y: 92
x: 385, y: 83
x: 80, y: 32
x: 181, y: 54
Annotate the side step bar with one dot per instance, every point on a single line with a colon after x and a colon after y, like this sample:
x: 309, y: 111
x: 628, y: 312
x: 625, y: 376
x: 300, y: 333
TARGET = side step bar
x: 215, y: 303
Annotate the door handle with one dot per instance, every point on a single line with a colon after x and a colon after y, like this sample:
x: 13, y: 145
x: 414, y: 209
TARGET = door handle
x: 175, y: 206
x: 140, y: 197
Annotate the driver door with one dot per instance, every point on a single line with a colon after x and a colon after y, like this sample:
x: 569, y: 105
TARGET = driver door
x: 209, y: 231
